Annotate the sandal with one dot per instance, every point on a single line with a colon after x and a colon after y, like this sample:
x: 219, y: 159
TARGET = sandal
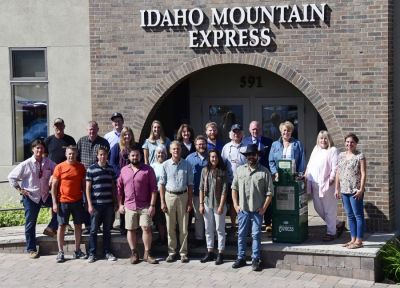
x: 340, y: 228
x: 328, y: 237
x: 347, y: 244
x: 355, y: 246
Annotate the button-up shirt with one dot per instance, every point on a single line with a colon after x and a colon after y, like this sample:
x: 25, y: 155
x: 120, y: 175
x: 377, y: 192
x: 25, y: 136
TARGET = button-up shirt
x: 112, y: 137
x: 232, y: 158
x: 217, y: 146
x: 197, y: 161
x: 136, y: 187
x: 34, y: 177
x: 253, y: 186
x: 87, y: 150
x: 177, y: 176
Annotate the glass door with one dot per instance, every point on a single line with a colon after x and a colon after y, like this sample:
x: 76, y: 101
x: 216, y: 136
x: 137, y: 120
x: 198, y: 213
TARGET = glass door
x: 273, y: 111
x: 226, y: 112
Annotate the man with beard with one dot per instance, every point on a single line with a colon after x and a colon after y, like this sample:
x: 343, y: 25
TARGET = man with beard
x: 212, y: 133
x: 137, y: 185
x: 198, y: 160
x: 252, y: 192
x: 264, y: 146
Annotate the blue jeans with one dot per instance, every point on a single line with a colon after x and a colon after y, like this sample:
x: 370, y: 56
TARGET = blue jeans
x: 31, y: 214
x: 246, y: 218
x: 355, y: 214
x: 104, y: 213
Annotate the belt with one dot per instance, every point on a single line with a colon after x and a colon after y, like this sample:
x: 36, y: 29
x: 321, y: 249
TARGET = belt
x: 177, y: 192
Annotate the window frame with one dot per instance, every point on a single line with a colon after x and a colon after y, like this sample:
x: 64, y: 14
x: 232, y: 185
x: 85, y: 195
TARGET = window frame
x: 17, y: 81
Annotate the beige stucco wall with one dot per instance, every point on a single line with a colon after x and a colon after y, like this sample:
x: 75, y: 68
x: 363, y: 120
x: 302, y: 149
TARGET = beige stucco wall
x: 63, y: 28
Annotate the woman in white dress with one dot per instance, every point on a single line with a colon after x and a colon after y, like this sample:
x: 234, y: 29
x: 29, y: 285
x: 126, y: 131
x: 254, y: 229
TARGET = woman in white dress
x: 320, y: 176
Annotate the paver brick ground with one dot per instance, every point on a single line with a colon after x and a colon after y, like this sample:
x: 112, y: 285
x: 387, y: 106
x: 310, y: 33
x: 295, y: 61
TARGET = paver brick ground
x: 17, y: 270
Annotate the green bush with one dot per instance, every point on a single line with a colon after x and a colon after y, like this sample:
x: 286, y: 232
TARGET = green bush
x: 390, y: 256
x: 17, y: 218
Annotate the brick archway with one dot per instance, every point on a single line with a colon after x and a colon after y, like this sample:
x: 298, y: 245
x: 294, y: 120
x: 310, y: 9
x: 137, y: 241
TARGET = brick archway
x: 257, y: 60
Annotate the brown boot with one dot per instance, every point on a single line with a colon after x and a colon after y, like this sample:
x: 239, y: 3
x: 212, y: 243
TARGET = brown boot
x: 148, y: 258
x: 134, y: 257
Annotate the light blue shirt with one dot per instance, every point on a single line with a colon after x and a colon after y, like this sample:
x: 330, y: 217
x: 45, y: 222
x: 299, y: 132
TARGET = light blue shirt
x: 112, y: 138
x: 158, y: 169
x: 232, y: 158
x: 151, y: 147
x: 176, y: 176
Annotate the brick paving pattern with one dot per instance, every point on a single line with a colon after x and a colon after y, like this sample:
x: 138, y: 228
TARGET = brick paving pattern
x: 18, y: 270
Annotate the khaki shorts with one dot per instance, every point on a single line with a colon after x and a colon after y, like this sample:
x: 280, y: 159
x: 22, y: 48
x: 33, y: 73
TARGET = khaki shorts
x: 134, y: 219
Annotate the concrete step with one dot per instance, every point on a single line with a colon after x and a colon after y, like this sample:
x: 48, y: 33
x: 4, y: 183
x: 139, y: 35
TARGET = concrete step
x: 313, y: 255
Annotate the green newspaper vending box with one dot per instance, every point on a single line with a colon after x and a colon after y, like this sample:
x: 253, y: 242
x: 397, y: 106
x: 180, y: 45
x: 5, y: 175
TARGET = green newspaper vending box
x: 289, y: 204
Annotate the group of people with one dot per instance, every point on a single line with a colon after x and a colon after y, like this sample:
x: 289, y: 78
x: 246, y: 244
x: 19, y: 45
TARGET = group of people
x: 163, y: 181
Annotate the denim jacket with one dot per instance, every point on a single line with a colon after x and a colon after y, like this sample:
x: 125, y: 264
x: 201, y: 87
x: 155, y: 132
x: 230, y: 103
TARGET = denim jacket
x: 277, y: 151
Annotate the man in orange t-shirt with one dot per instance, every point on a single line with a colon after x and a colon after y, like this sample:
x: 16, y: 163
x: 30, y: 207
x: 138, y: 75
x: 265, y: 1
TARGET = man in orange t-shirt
x: 67, y: 191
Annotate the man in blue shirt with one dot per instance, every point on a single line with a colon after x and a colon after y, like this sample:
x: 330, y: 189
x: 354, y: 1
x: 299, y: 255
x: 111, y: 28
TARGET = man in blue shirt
x: 176, y: 185
x: 212, y: 133
x: 198, y: 160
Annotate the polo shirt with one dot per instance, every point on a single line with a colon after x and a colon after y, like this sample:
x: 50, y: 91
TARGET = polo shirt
x: 102, y: 179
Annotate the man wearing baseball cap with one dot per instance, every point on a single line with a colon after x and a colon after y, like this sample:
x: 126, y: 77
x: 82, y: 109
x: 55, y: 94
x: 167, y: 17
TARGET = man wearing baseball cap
x: 118, y: 123
x: 252, y: 192
x: 58, y: 142
x: 233, y: 159
x: 55, y: 146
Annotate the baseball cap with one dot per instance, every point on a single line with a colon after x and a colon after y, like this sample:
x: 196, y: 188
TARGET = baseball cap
x: 58, y: 121
x: 115, y: 115
x: 236, y: 127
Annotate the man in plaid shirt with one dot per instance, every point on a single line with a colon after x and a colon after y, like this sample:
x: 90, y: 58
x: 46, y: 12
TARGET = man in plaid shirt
x: 87, y: 155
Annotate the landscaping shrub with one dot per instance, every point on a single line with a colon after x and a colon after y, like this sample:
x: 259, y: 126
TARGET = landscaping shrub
x: 17, y: 218
x: 390, y: 256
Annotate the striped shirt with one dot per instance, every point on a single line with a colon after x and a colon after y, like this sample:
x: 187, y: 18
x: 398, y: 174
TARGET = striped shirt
x: 102, y: 179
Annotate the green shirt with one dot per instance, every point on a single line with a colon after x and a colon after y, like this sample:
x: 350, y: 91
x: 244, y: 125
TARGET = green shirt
x: 253, y: 186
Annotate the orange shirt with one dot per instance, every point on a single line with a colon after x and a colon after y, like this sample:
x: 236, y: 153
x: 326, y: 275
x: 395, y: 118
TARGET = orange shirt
x: 70, y: 179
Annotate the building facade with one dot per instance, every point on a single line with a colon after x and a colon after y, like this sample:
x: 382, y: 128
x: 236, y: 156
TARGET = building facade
x: 321, y: 65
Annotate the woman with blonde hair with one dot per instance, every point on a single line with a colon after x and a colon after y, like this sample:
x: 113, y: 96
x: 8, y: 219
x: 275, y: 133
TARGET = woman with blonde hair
x: 286, y: 147
x: 320, y: 176
x: 119, y: 153
x: 156, y: 137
